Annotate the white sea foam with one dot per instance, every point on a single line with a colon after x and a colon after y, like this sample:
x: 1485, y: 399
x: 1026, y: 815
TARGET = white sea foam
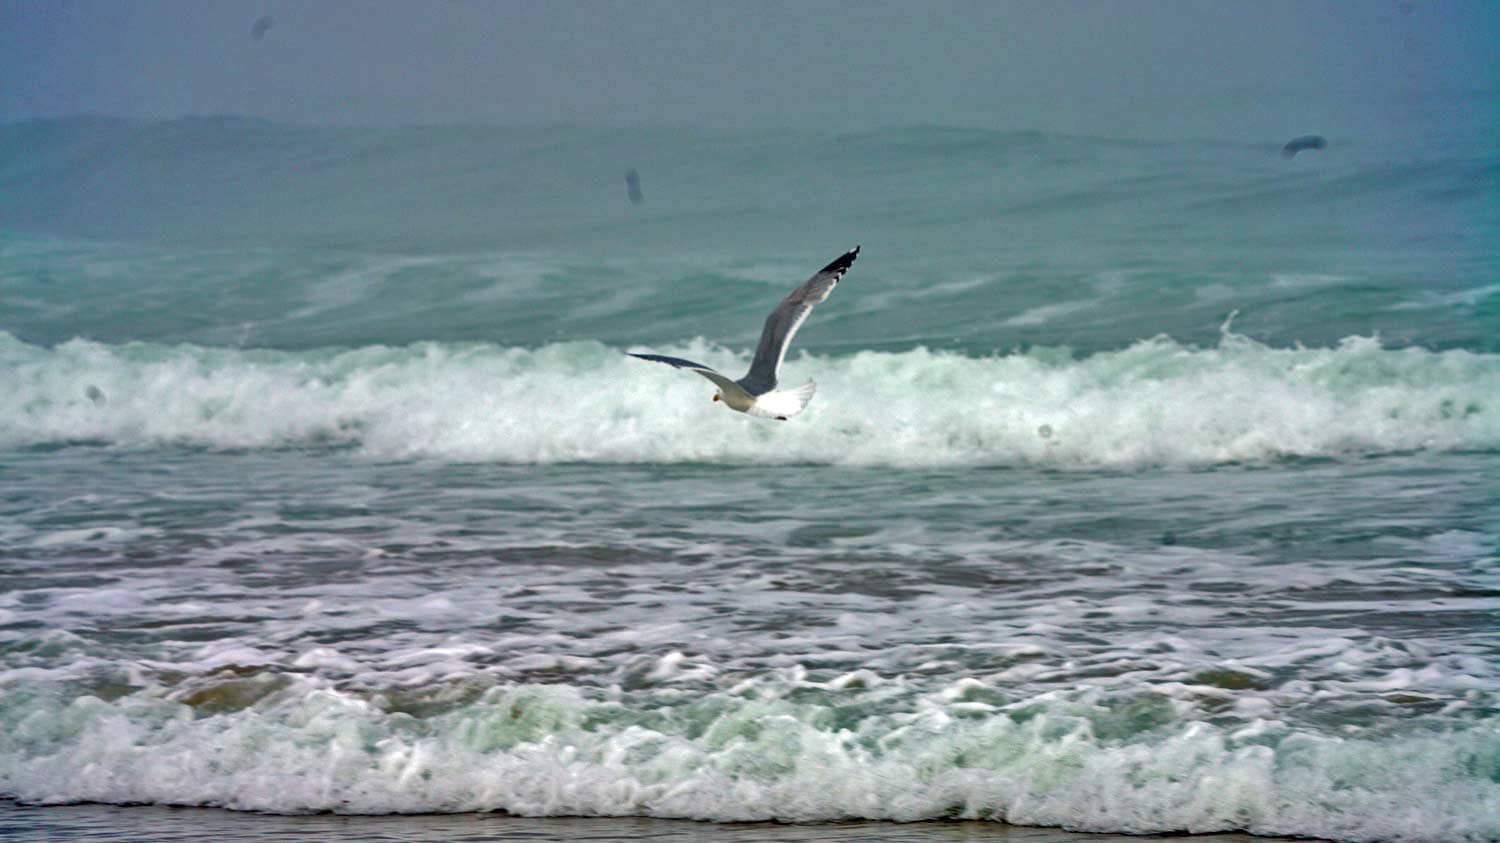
x: 1046, y: 313
x: 1056, y: 681
x: 1154, y: 403
x: 1466, y: 298
x: 752, y: 755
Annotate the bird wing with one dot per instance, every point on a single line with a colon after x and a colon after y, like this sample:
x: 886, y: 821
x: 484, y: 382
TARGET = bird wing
x: 784, y: 321
x: 719, y: 380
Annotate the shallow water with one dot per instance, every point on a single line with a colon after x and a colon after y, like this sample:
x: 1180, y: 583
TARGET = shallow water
x: 1191, y: 649
x: 140, y: 823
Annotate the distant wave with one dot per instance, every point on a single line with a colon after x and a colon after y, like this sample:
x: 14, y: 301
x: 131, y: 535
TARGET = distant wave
x: 1155, y: 403
x: 227, y: 179
x: 224, y: 231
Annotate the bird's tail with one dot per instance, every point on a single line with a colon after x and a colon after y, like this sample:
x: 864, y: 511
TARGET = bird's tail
x: 784, y: 403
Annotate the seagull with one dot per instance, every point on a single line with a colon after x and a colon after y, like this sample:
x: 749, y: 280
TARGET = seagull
x: 756, y: 392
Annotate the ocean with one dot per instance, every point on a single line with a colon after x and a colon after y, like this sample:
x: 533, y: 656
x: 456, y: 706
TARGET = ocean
x: 1150, y: 486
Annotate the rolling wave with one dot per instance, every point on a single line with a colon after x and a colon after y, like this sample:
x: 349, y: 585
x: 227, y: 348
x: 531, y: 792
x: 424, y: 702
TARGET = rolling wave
x: 1157, y: 402
x: 798, y: 753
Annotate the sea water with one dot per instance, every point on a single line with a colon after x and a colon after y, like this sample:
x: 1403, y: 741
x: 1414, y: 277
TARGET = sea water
x: 1150, y: 485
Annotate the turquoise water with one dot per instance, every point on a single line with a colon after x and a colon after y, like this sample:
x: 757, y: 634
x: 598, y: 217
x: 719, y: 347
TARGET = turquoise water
x: 1150, y: 486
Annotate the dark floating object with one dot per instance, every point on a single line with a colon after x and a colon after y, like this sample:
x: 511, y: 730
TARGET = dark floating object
x: 94, y: 394
x: 262, y: 23
x: 1296, y: 145
x: 633, y: 187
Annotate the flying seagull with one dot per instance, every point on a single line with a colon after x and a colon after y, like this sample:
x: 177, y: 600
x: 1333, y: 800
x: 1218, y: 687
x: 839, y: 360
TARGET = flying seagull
x: 756, y: 392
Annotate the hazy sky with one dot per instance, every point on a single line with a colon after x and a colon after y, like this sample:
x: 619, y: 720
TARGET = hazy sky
x: 1133, y: 66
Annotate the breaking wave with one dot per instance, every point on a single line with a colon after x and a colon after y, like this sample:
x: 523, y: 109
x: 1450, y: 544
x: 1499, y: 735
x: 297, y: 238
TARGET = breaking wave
x: 820, y: 752
x: 1157, y: 402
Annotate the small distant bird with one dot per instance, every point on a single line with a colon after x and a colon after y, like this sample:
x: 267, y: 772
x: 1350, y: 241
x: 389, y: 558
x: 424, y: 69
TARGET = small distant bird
x: 1296, y: 145
x: 262, y: 23
x: 756, y: 392
x: 633, y: 187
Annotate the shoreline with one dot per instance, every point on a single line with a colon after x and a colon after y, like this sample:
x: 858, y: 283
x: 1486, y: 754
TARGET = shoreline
x: 126, y: 823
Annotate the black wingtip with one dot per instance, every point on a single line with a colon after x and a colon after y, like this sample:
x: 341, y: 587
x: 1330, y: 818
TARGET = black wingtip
x: 842, y: 262
x: 671, y: 361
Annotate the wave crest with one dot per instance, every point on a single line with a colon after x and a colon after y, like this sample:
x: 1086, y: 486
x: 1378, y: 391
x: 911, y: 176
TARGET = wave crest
x: 1157, y: 402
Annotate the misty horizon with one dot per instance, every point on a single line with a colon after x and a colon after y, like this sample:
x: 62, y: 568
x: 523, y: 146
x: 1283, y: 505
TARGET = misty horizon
x: 1208, y: 69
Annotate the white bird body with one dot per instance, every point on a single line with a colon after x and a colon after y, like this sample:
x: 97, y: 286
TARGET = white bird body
x: 756, y: 392
x: 776, y: 404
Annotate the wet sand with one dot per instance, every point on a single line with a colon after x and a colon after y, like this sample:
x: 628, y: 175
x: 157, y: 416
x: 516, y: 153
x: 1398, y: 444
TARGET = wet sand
x: 155, y: 824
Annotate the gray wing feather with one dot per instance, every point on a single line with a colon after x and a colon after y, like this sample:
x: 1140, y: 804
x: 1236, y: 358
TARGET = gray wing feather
x: 720, y: 380
x: 784, y: 321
